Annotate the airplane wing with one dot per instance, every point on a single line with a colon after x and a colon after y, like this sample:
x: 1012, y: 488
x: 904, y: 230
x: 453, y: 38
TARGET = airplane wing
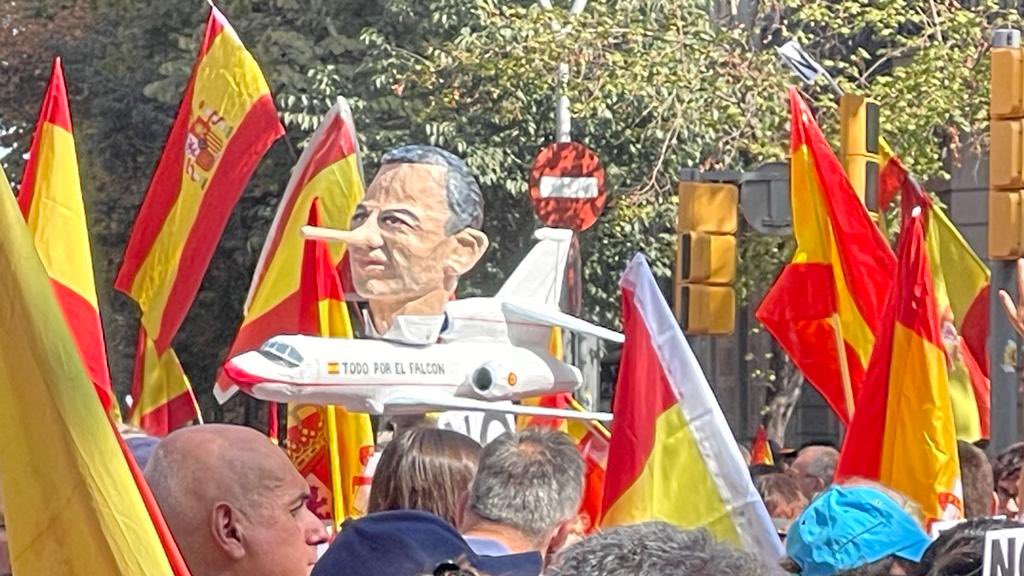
x: 417, y: 405
x: 554, y: 317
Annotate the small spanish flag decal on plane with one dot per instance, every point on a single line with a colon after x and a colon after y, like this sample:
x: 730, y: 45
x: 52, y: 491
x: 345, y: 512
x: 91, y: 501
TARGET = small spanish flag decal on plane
x: 333, y: 368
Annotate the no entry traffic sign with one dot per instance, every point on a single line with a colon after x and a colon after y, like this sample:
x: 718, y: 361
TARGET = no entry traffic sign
x: 567, y: 186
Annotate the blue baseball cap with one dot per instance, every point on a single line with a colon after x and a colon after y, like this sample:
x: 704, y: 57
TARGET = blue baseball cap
x: 847, y: 527
x: 411, y: 543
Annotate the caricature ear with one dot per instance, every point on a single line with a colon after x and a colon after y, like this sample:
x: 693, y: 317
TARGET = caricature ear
x: 470, y: 245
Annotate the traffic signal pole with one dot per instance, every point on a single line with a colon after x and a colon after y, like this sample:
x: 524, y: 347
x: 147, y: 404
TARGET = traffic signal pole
x: 1006, y: 180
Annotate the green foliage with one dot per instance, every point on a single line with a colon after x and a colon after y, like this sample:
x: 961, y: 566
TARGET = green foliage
x: 654, y: 86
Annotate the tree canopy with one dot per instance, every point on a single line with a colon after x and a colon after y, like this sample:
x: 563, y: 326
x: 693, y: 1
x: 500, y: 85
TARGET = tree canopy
x: 654, y: 85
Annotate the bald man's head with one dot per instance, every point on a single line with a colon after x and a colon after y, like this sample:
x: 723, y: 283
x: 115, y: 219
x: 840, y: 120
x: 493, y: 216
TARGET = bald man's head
x: 234, y: 502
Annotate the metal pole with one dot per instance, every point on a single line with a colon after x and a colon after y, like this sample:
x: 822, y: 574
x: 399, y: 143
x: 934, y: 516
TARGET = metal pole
x: 1003, y: 345
x: 563, y: 116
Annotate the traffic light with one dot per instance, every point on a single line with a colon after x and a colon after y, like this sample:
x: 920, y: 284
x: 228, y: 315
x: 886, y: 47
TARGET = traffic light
x: 859, y: 147
x: 1006, y: 154
x: 705, y: 302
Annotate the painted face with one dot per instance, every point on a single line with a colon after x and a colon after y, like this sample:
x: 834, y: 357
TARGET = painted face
x: 399, y: 249
x: 284, y: 534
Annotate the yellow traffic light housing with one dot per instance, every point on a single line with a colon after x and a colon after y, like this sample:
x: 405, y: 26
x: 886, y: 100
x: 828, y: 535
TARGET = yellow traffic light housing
x: 706, y: 258
x: 1007, y: 89
x: 1005, y: 241
x: 705, y: 302
x: 1006, y: 154
x: 708, y: 310
x: 859, y: 145
x: 708, y: 207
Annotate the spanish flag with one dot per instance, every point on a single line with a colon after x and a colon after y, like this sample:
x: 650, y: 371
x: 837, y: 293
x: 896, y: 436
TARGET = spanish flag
x: 51, y: 201
x: 330, y: 446
x: 961, y: 288
x: 672, y: 456
x: 903, y: 433
x: 329, y: 170
x: 826, y: 306
x: 71, y: 504
x: 225, y: 123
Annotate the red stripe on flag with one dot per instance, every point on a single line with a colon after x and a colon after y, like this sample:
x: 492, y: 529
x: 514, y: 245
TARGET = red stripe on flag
x: 257, y: 131
x: 974, y: 329
x: 84, y: 323
x: 642, y: 395
x: 797, y: 311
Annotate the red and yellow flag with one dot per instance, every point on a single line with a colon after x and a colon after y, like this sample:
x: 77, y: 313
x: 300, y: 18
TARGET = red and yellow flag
x: 961, y: 288
x: 825, y: 307
x: 51, y: 201
x: 328, y: 445
x: 903, y: 434
x: 71, y: 504
x: 329, y: 170
x: 225, y: 123
x: 672, y: 455
x: 761, y: 451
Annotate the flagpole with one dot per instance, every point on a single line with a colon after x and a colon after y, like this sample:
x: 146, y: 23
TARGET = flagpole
x: 337, y: 495
x: 844, y: 368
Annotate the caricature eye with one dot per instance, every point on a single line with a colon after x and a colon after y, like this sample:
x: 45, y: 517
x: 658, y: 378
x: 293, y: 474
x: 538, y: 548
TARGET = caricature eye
x: 392, y: 220
x: 358, y: 218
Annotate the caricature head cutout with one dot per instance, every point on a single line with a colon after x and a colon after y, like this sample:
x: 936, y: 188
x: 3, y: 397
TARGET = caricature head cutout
x: 415, y: 232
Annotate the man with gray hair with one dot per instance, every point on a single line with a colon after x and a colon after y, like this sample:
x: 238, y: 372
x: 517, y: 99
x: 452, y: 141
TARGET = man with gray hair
x: 814, y: 468
x: 654, y: 549
x: 526, y: 494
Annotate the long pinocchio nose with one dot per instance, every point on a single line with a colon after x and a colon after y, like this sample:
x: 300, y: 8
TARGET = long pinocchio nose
x: 330, y: 234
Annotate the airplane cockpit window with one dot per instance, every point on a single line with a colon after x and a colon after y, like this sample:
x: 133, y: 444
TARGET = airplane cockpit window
x: 281, y: 353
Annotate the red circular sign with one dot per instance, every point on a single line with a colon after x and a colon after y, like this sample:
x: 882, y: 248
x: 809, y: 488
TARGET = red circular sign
x: 567, y: 186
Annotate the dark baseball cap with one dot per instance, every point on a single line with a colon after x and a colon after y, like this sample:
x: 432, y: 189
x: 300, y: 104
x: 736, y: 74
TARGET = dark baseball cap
x: 411, y: 543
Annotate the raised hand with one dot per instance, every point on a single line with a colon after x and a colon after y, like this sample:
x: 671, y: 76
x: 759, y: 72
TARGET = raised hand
x: 1015, y: 311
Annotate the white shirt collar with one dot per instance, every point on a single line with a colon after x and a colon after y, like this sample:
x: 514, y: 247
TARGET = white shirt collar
x: 416, y: 330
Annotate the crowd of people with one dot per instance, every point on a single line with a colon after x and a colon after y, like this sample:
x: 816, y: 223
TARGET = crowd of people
x: 440, y: 504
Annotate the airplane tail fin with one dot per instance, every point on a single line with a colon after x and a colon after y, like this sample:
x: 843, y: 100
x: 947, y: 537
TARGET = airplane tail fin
x: 540, y: 276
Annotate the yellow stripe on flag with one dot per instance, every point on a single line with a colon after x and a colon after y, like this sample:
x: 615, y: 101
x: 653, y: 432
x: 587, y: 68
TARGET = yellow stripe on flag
x: 919, y: 453
x: 57, y: 202
x: 71, y: 505
x: 656, y: 494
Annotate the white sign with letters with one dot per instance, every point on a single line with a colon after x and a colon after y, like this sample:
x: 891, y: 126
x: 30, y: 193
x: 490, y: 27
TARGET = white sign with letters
x: 1004, y: 552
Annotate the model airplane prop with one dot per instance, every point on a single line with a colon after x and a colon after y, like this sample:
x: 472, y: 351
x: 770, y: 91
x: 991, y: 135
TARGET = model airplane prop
x: 490, y: 350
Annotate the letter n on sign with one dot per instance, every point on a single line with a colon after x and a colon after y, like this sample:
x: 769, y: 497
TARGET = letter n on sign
x: 1003, y: 550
